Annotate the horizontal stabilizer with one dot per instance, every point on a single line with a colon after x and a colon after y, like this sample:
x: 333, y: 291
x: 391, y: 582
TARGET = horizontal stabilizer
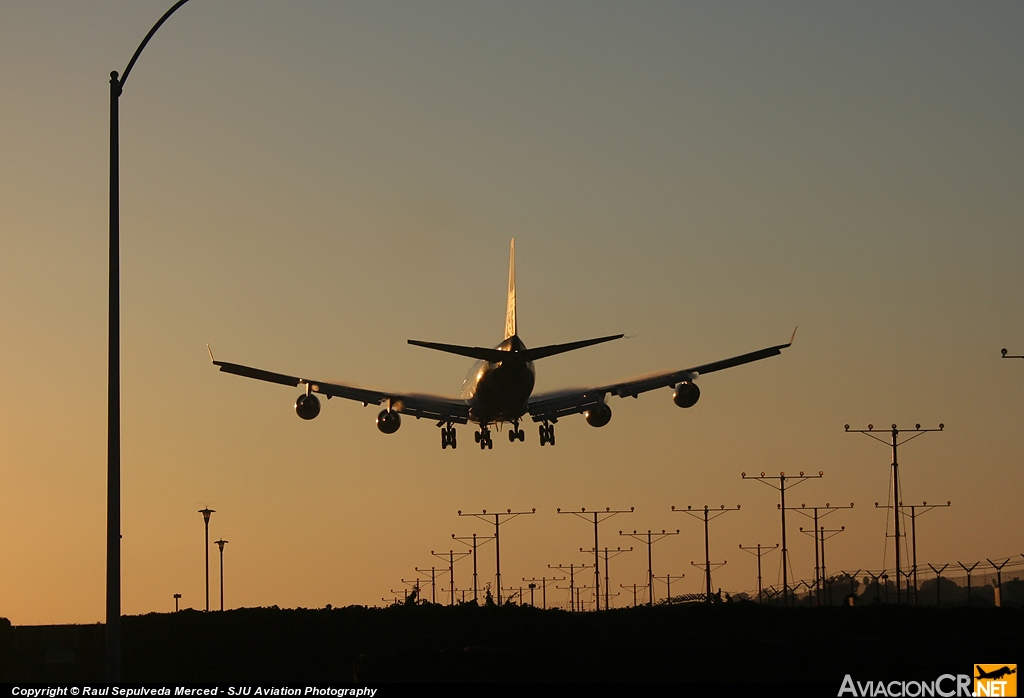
x: 497, y: 355
x: 552, y: 349
x: 483, y: 354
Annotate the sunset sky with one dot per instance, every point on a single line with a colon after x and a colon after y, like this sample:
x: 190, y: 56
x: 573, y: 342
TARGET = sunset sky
x: 305, y: 185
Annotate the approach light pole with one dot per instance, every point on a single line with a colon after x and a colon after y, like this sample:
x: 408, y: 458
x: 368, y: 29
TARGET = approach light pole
x: 925, y: 507
x: 509, y: 515
x: 597, y: 517
x: 819, y: 549
x: 761, y: 550
x: 112, y: 630
x: 782, y: 487
x: 475, y: 542
x: 176, y: 597
x: 707, y: 550
x: 220, y: 543
x: 652, y: 537
x: 894, y: 442
x: 206, y: 550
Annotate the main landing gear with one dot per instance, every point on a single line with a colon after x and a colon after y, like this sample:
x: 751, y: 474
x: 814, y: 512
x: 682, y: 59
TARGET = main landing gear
x: 448, y: 437
x: 483, y: 437
x: 547, y: 434
x: 516, y: 433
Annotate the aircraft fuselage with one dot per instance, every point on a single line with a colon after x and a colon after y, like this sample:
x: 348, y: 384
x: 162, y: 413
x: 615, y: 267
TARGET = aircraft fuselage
x: 499, y: 391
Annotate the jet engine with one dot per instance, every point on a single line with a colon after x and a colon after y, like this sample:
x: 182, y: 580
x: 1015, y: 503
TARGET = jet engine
x: 388, y: 421
x: 686, y: 394
x: 599, y: 416
x: 307, y: 406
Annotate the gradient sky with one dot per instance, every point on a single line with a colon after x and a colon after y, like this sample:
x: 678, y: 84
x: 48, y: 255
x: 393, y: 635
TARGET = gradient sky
x: 306, y: 185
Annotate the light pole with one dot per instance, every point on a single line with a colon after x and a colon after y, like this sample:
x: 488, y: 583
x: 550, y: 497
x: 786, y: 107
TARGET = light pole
x: 206, y: 549
x: 112, y: 631
x: 221, y: 543
x: 176, y: 597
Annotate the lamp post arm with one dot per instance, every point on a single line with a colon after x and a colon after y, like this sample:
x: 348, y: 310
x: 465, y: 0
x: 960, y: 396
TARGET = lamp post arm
x: 138, y: 51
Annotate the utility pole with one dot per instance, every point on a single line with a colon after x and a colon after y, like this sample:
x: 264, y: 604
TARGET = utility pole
x: 176, y: 597
x: 938, y: 581
x: 572, y: 581
x: 894, y: 442
x: 220, y: 543
x: 652, y: 538
x: 452, y: 557
x: 433, y: 582
x: 607, y: 554
x: 850, y: 576
x: 760, y: 551
x: 597, y: 518
x: 828, y: 509
x: 543, y: 587
x: 508, y: 516
x: 206, y: 511
x: 784, y: 484
x: 707, y: 549
x: 465, y: 540
x: 668, y: 584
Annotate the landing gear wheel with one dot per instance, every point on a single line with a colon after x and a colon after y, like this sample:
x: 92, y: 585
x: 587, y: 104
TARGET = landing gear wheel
x: 451, y: 438
x: 444, y: 439
x: 522, y: 436
x: 512, y: 436
x: 476, y: 436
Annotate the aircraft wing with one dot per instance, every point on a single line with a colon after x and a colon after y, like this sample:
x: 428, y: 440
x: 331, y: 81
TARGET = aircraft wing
x: 414, y: 405
x: 551, y: 406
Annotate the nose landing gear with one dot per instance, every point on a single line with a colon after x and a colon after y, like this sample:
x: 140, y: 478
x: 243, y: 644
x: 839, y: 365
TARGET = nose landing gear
x: 516, y: 433
x: 483, y: 437
x: 547, y: 434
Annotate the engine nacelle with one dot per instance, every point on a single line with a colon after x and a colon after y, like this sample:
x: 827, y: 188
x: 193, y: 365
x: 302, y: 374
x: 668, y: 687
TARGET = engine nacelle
x: 307, y: 406
x: 686, y: 394
x: 388, y: 421
x: 599, y: 416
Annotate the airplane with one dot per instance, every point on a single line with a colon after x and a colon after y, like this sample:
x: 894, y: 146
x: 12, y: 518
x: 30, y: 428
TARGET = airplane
x: 499, y: 388
x: 995, y: 673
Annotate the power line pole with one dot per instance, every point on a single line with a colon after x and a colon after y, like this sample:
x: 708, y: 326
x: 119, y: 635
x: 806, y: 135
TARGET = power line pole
x: 206, y: 511
x: 543, y: 587
x: 894, y: 442
x: 220, y: 543
x: 652, y: 538
x: 598, y: 517
x: 782, y: 487
x: 607, y: 554
x: 707, y: 549
x: 760, y: 552
x: 509, y: 515
x: 828, y: 509
x: 475, y: 541
x: 452, y: 557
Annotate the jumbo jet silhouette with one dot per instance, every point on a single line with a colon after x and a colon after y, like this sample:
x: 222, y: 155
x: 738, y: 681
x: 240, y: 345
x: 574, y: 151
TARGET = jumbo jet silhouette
x: 499, y: 388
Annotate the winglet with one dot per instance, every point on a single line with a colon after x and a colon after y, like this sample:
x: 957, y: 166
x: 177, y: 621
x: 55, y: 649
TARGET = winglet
x: 794, y: 335
x: 211, y: 353
x: 510, y: 310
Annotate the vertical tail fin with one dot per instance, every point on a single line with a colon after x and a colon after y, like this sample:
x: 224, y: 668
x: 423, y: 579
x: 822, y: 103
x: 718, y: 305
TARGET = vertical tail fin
x: 510, y: 311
